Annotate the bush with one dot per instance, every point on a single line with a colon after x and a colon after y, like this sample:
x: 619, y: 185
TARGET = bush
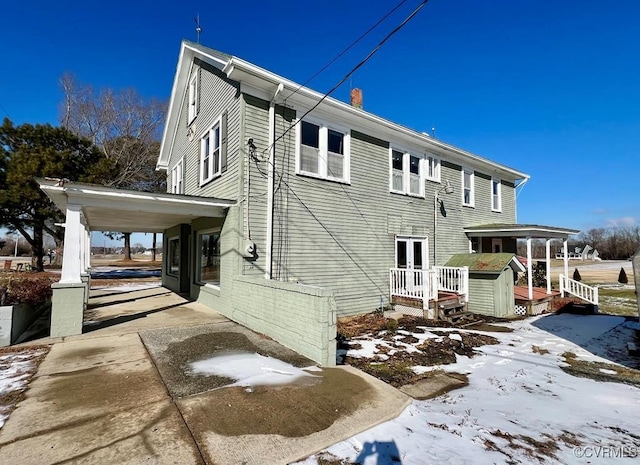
x: 622, y: 277
x: 576, y: 275
x: 32, y: 290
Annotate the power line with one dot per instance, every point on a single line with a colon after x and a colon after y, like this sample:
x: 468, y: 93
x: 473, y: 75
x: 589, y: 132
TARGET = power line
x: 353, y: 44
x: 353, y: 70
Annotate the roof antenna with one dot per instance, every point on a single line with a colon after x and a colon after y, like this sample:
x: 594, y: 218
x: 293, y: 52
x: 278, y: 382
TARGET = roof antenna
x: 198, y: 28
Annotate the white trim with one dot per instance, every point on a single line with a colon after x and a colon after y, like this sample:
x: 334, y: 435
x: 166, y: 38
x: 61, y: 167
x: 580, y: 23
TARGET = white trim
x: 210, y: 133
x: 177, y: 177
x: 406, y: 171
x: 472, y: 194
x: 429, y: 160
x: 498, y: 183
x: 410, y: 239
x: 192, y: 96
x: 323, y: 152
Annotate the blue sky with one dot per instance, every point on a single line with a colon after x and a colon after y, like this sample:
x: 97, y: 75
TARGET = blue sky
x: 549, y: 88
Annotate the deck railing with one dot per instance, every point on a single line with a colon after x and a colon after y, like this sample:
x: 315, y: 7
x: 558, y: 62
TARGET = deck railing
x: 453, y: 279
x: 578, y: 289
x: 405, y: 282
x: 425, y: 284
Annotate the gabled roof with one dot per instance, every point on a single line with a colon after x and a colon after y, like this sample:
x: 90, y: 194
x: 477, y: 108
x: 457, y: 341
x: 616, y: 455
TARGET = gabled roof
x: 491, y: 263
x: 519, y: 231
x: 109, y: 209
x: 262, y: 83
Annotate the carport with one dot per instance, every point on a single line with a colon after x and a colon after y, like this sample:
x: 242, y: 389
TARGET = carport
x: 91, y: 208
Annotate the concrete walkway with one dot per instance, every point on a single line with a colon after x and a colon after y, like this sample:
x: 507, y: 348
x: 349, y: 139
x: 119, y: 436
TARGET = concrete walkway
x: 123, y: 393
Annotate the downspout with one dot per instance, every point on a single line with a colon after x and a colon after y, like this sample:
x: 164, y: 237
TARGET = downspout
x: 270, y: 181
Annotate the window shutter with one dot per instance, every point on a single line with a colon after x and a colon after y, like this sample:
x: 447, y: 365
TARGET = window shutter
x: 223, y: 142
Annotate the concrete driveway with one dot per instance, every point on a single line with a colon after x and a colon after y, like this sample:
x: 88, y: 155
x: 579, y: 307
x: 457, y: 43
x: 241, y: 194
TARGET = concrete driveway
x: 125, y: 392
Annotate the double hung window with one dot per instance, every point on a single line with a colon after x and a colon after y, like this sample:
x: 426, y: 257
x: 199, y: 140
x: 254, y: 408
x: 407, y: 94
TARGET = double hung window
x: 406, y: 173
x: 323, y: 151
x: 210, y: 154
x: 468, y: 196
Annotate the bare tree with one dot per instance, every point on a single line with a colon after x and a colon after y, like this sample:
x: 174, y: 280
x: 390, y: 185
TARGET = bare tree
x: 126, y: 127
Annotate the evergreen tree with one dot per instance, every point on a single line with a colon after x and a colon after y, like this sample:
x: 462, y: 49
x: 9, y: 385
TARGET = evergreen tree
x: 576, y: 275
x: 622, y: 277
x: 38, y: 151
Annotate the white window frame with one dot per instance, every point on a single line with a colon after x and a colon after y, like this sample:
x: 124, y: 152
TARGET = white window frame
x: 323, y: 156
x: 432, y: 167
x: 496, y: 197
x: 472, y: 196
x: 192, y: 98
x: 177, y: 178
x: 198, y: 258
x: 406, y: 171
x: 210, y: 173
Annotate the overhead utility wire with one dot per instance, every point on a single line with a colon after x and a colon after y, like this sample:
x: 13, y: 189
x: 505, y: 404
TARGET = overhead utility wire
x: 353, y: 44
x: 353, y: 70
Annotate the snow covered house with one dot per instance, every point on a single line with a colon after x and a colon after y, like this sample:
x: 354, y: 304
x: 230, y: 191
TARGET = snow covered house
x: 287, y: 209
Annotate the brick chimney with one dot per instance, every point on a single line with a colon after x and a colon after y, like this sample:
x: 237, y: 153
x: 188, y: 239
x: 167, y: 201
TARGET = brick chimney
x: 356, y: 98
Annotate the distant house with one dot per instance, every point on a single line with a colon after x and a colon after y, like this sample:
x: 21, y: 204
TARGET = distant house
x: 287, y: 209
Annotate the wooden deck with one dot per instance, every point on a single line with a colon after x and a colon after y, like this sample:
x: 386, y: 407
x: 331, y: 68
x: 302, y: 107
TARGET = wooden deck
x: 539, y: 293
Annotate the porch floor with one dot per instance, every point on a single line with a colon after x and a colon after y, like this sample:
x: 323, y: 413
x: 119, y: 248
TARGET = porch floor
x: 539, y: 293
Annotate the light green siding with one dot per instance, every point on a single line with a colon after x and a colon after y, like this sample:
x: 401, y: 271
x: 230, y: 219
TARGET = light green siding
x: 216, y: 95
x: 481, y: 294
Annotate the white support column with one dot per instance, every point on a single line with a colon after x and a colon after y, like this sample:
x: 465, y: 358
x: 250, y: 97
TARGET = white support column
x: 565, y: 248
x: 548, y: 263
x: 73, y: 239
x: 529, y: 269
x: 87, y: 254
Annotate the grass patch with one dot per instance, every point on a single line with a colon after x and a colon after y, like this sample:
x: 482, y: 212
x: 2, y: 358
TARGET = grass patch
x: 600, y: 371
x: 539, y: 350
x: 618, y: 301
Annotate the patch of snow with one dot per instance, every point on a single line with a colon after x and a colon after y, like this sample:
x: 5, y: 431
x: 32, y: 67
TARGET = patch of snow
x: 608, y: 372
x: 455, y: 337
x: 515, y: 397
x: 250, y: 369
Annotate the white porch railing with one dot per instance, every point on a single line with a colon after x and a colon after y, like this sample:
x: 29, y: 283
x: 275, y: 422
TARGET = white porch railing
x: 418, y: 284
x: 425, y: 284
x: 576, y: 288
x: 453, y: 279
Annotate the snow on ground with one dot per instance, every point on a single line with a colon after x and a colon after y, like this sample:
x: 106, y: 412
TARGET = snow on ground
x: 519, y: 407
x: 17, y: 366
x: 598, y: 265
x: 250, y: 369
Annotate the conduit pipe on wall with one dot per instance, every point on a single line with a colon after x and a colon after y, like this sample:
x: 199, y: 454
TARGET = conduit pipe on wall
x: 270, y: 181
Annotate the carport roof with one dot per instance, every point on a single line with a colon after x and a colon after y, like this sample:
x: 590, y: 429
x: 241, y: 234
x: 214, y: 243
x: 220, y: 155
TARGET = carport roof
x: 110, y: 209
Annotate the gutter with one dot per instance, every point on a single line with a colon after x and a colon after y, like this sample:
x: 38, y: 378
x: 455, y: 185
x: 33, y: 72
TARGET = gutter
x: 270, y: 181
x: 521, y: 186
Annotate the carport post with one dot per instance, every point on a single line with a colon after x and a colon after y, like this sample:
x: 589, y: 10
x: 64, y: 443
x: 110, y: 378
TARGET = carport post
x: 68, y: 300
x: 529, y: 269
x: 548, y: 247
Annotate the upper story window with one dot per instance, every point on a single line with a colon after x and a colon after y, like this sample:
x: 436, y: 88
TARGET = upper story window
x: 496, y: 195
x: 468, y: 195
x: 210, y: 161
x: 192, y: 98
x: 432, y: 168
x: 323, y: 151
x: 177, y: 174
x: 406, y: 173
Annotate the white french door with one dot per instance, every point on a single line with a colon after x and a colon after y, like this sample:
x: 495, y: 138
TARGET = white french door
x: 411, y: 254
